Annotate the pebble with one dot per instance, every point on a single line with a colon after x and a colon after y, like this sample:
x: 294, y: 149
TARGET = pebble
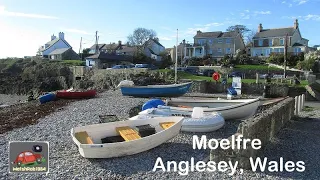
x: 66, y: 162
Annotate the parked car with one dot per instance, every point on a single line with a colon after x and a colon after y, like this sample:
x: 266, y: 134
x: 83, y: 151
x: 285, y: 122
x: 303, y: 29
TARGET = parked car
x: 206, y: 72
x: 131, y: 66
x: 119, y: 67
x: 28, y: 158
x: 236, y: 74
x: 148, y: 66
x: 192, y: 70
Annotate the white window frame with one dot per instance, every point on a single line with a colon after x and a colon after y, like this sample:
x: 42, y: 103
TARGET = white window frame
x: 281, y: 39
x: 220, y: 41
x: 270, y: 43
x: 260, y: 42
x: 228, y: 41
x: 219, y: 50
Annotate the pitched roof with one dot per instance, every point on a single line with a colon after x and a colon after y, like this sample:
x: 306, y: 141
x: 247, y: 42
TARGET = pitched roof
x: 129, y: 49
x: 278, y: 32
x: 157, y: 42
x: 99, y: 45
x: 107, y: 56
x: 51, y: 43
x: 59, y: 51
x: 112, y: 46
x: 216, y: 34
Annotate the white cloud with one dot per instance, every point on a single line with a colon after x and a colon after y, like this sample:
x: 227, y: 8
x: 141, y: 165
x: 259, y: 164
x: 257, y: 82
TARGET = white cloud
x: 308, y: 17
x: 247, y: 10
x: 246, y: 17
x: 4, y: 12
x: 299, y: 2
x: 164, y: 38
x: 290, y: 5
x: 231, y: 13
x: 283, y: 2
x: 78, y: 31
x: 214, y: 24
x: 262, y: 12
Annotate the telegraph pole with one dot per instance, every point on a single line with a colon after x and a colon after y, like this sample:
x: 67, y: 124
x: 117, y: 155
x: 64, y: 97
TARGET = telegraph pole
x: 175, y: 68
x: 80, y: 48
x: 97, y: 46
x: 285, y: 55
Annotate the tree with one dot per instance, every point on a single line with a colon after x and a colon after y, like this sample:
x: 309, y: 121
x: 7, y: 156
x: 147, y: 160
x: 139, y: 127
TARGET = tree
x: 166, y: 60
x: 140, y: 36
x: 249, y: 36
x: 242, y: 29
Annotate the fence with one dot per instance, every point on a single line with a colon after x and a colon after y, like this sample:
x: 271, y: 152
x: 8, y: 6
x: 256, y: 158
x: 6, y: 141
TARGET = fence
x: 299, y: 104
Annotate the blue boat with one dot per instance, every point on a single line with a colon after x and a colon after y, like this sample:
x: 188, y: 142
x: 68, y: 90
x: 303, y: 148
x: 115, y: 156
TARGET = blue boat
x: 47, y: 98
x: 171, y: 90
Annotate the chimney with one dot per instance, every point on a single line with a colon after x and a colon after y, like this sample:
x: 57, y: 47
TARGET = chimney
x: 296, y: 24
x: 53, y: 37
x: 184, y: 42
x: 119, y: 42
x: 198, y: 32
x: 61, y: 35
x: 260, y: 27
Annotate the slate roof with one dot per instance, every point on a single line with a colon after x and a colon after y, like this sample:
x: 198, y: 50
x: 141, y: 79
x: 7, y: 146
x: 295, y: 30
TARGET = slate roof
x: 94, y: 46
x: 216, y: 34
x: 59, y: 51
x: 275, y: 32
x: 154, y: 42
x: 106, y: 56
x: 51, y: 43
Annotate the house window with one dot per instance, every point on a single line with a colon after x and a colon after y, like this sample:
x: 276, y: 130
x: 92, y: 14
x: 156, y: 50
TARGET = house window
x: 260, y: 42
x: 201, y: 41
x: 210, y: 41
x: 210, y: 51
x: 281, y: 41
x: 219, y: 50
x: 228, y: 50
x: 228, y: 41
x: 219, y: 40
x: 281, y: 49
x: 270, y: 42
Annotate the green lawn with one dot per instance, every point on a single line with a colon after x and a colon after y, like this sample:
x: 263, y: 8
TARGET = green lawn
x: 185, y: 75
x: 255, y: 67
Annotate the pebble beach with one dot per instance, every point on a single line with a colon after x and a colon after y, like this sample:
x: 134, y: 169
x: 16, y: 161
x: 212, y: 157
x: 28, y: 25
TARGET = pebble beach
x: 298, y: 141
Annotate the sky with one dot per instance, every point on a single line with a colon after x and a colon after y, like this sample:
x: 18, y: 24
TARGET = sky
x: 27, y: 25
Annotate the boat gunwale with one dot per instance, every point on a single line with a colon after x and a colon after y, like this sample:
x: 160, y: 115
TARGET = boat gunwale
x: 158, y: 86
x: 218, y: 108
x: 103, y: 145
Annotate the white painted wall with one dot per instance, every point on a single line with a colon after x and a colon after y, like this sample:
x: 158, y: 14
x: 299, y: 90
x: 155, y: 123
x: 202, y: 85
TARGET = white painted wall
x: 58, y: 45
x: 296, y: 38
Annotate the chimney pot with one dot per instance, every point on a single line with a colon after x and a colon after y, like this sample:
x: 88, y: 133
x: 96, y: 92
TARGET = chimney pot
x: 260, y: 27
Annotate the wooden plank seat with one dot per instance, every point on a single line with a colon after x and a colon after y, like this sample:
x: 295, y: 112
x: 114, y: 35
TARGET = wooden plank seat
x: 166, y: 125
x: 83, y: 137
x: 127, y: 133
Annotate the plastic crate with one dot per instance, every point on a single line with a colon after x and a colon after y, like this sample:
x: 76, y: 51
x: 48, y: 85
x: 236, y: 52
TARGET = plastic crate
x: 112, y: 139
x: 145, y: 130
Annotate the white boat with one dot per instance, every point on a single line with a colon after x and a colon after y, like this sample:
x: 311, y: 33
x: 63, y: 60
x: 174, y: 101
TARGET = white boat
x: 193, y: 122
x: 237, y: 109
x: 89, y: 138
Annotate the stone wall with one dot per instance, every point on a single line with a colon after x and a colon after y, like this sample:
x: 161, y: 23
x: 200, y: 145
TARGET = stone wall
x: 276, y: 90
x: 263, y: 126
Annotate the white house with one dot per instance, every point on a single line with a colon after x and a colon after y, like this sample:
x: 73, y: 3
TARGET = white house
x: 53, y: 44
x: 153, y: 49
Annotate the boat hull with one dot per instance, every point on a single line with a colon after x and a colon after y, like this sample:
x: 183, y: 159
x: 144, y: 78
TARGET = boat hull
x: 110, y: 150
x: 229, y: 109
x: 207, y: 123
x: 156, y: 90
x: 76, y: 95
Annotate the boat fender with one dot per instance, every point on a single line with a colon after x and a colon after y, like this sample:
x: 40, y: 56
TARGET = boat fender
x: 153, y: 103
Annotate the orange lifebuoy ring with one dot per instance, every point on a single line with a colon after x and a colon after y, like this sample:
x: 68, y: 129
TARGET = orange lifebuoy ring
x: 216, y: 76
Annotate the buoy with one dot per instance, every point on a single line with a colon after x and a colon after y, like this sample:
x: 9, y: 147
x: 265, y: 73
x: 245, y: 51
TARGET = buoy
x: 216, y: 76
